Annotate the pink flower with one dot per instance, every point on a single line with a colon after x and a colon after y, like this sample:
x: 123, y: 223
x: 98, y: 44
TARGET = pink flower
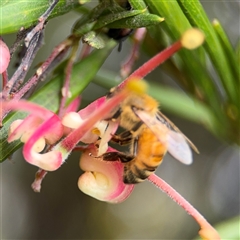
x: 102, y: 180
x: 43, y: 129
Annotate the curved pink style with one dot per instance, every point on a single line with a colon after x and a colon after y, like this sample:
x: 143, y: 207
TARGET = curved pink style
x: 49, y: 161
x: 103, y: 180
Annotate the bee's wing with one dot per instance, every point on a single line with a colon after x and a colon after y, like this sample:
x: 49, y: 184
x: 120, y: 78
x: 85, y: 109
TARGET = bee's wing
x: 172, y: 126
x: 176, y: 143
x: 178, y: 147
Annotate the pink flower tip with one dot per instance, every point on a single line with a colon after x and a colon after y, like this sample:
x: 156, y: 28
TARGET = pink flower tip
x: 49, y: 161
x: 102, y: 180
x: 4, y: 56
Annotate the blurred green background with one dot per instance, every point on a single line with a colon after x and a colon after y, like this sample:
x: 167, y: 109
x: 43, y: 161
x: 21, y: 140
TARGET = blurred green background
x: 61, y: 211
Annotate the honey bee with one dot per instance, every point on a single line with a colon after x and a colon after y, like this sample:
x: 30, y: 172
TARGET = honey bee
x: 150, y: 135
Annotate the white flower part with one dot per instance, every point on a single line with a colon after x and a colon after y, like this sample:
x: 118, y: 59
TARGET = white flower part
x: 106, y: 137
x: 97, y: 131
x: 102, y: 148
x: 103, y: 180
x: 69, y: 94
x: 93, y: 180
x: 23, y: 129
x: 39, y: 145
x: 101, y: 126
x: 49, y: 161
x: 13, y: 126
x: 25, y: 136
x: 72, y: 120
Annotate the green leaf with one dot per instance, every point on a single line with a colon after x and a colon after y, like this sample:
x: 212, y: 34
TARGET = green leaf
x: 171, y: 11
x: 110, y: 18
x: 22, y: 13
x: 197, y: 16
x: 138, y: 21
x: 49, y: 95
x: 137, y: 4
x: 85, y: 25
x: 192, y: 63
x: 228, y: 48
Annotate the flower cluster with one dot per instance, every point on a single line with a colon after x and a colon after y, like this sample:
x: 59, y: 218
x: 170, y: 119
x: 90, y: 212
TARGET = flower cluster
x: 49, y: 138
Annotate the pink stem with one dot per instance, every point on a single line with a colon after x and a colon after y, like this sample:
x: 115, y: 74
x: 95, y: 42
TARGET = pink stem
x: 85, y: 51
x: 41, y: 70
x: 207, y: 230
x: 4, y: 78
x: 127, y: 65
x: 73, y: 106
x: 150, y: 65
x: 63, y: 46
x: 68, y: 72
x: 27, y: 106
x: 41, y: 22
x: 102, y: 112
x: 39, y: 176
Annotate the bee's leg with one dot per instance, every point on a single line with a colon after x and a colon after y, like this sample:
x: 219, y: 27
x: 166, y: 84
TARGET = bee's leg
x: 135, y: 146
x: 114, y: 156
x: 124, y: 138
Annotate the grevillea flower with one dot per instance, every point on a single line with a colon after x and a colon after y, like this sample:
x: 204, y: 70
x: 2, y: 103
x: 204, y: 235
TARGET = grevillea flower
x: 41, y: 127
x: 44, y: 131
x: 102, y: 180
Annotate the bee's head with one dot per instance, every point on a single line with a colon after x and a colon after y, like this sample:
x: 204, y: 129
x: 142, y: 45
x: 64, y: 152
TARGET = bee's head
x: 142, y: 102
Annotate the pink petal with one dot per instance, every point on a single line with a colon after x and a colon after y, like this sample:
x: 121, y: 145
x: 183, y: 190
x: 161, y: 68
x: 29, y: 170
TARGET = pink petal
x: 4, y: 56
x: 85, y: 112
x: 28, y: 125
x: 102, y: 112
x: 73, y: 106
x: 26, y: 106
x: 49, y: 161
x: 103, y: 180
